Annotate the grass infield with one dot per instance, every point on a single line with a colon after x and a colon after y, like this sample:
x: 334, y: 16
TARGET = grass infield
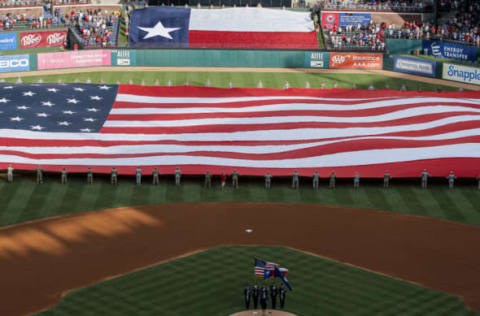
x: 24, y: 200
x: 212, y: 283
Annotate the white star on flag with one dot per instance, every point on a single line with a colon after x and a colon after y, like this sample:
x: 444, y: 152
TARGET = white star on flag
x: 95, y: 97
x: 69, y: 112
x: 8, y: 87
x: 64, y: 123
x: 104, y: 87
x: 16, y: 118
x: 48, y: 103
x: 159, y: 30
x: 85, y: 130
x: 89, y: 119
x: 54, y: 90
x: 3, y: 100
x: 42, y: 114
x: 75, y: 101
x: 92, y: 110
x: 23, y: 107
x: 78, y: 89
x: 28, y: 94
x: 37, y: 127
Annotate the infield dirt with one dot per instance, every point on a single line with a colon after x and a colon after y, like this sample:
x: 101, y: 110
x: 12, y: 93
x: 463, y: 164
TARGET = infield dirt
x: 41, y: 261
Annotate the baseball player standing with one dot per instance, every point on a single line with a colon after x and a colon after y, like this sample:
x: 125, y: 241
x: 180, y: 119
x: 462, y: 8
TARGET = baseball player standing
x: 331, y: 182
x: 235, y: 179
x: 316, y: 179
x: 138, y: 175
x: 89, y: 176
x: 155, y: 175
x: 39, y: 175
x: 113, y: 176
x: 295, y: 180
x: 424, y: 176
x: 268, y: 181
x: 177, y: 174
x: 451, y: 179
x: 64, y: 176
x: 10, y: 174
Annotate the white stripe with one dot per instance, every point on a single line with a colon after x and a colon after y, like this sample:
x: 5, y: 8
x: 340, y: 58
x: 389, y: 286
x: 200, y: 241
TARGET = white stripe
x: 122, y: 97
x: 410, y: 113
x: 261, y: 135
x: 247, y: 149
x: 365, y: 157
x: 250, y: 20
x: 274, y: 107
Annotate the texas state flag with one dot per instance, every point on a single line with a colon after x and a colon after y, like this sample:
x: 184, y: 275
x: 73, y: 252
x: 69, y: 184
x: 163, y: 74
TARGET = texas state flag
x: 229, y: 28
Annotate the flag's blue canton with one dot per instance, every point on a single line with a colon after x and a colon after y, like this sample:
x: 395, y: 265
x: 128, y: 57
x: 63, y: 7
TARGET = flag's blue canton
x: 260, y: 263
x: 70, y: 108
x: 170, y: 18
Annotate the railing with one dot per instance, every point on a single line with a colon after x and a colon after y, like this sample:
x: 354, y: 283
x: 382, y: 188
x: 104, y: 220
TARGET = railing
x: 379, y: 7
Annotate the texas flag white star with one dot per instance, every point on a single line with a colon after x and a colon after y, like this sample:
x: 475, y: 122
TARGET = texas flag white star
x: 104, y: 87
x: 28, y: 94
x: 16, y: 118
x: 37, y: 127
x: 95, y: 97
x: 75, y: 101
x: 54, y: 90
x: 48, y: 103
x: 159, y: 30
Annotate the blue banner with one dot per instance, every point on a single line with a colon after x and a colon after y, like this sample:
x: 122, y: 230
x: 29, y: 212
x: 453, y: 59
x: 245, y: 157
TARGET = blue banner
x: 159, y: 27
x: 414, y: 66
x: 449, y: 50
x: 354, y: 18
x: 8, y: 41
x: 14, y: 63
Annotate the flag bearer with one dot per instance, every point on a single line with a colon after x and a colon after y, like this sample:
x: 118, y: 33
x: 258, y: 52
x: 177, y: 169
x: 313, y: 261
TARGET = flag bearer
x: 10, y: 174
x: 331, y: 182
x: 316, y: 179
x: 64, y: 176
x: 89, y: 176
x: 424, y: 176
x: 386, y: 179
x: 223, y: 180
x: 268, y: 181
x: 138, y: 175
x: 283, y: 296
x: 177, y: 174
x: 295, y: 180
x: 356, y: 181
x: 235, y: 179
x: 155, y: 175
x: 451, y: 179
x: 39, y: 175
x: 264, y: 300
x: 114, y: 176
x: 255, y: 295
x: 273, y: 295
x: 208, y: 179
x: 248, y: 295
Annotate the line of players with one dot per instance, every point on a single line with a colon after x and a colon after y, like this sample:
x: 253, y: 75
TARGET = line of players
x: 208, y: 178
x: 260, y: 295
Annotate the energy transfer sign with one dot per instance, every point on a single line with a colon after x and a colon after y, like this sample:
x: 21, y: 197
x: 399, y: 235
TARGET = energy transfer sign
x: 14, y: 63
x: 414, y: 66
x: 461, y: 73
x: 449, y: 50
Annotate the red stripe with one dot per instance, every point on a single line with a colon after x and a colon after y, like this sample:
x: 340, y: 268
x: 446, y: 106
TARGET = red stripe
x: 316, y: 151
x: 463, y: 167
x: 227, y: 128
x: 226, y: 39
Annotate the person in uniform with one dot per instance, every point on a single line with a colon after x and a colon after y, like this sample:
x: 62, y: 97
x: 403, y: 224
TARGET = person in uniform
x: 386, y: 179
x: 451, y: 179
x: 10, y: 174
x: 208, y: 179
x: 177, y: 174
x: 273, y: 295
x: 155, y: 175
x: 316, y: 178
x: 283, y: 296
x: 64, y: 176
x: 295, y: 180
x: 223, y: 180
x: 138, y: 175
x: 264, y: 300
x: 248, y: 295
x: 113, y: 176
x: 356, y: 181
x: 89, y: 176
x: 424, y: 176
x: 268, y: 181
x: 235, y: 179
x: 331, y: 182
x: 39, y: 175
x: 255, y: 295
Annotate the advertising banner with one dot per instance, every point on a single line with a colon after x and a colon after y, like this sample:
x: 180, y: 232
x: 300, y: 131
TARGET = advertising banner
x: 461, y: 73
x: 414, y: 66
x: 8, y: 41
x: 449, y: 50
x: 43, y: 39
x: 85, y: 58
x: 14, y: 63
x: 356, y: 60
x: 316, y: 60
x: 354, y: 19
x: 329, y: 20
x: 123, y: 57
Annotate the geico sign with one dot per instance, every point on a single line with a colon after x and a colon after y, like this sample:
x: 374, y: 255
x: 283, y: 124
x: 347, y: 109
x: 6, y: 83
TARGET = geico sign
x: 14, y: 63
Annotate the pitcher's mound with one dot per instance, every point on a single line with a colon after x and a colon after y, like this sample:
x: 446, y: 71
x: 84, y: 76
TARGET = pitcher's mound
x: 259, y: 312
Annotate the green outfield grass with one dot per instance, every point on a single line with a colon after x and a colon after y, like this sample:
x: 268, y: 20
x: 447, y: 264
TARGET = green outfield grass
x: 25, y: 201
x: 244, y: 79
x: 212, y: 282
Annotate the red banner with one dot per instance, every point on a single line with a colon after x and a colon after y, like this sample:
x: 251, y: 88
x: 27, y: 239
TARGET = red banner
x: 354, y: 60
x: 43, y: 39
x: 329, y: 20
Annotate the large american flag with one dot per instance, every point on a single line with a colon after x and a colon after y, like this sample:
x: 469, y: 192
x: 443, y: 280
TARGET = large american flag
x: 252, y: 130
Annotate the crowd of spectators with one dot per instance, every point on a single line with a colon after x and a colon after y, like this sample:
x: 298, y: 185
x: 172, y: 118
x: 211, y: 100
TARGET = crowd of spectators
x: 368, y: 37
x: 378, y: 5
